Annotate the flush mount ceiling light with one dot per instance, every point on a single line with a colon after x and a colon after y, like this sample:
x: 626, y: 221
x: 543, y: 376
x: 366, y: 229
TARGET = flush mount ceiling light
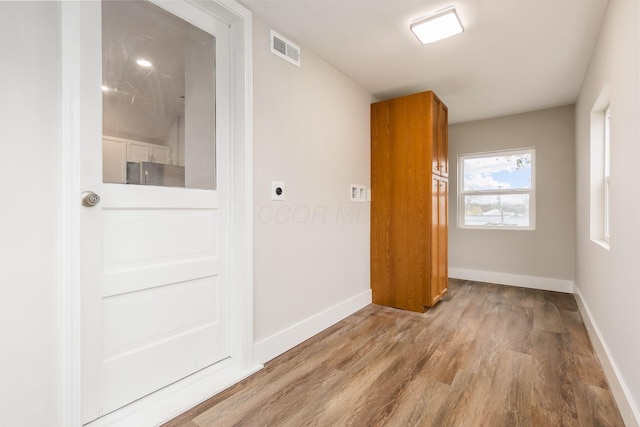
x: 438, y: 26
x: 144, y: 63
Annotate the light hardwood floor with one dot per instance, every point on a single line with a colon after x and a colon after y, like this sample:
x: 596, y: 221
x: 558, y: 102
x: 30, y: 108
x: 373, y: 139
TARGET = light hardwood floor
x: 487, y: 355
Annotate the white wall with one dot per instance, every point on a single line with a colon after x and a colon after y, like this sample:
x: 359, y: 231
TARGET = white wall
x: 199, y: 128
x: 311, y: 130
x: 607, y: 280
x: 175, y: 141
x: 311, y: 251
x: 311, y: 257
x: 30, y: 150
x: 543, y: 257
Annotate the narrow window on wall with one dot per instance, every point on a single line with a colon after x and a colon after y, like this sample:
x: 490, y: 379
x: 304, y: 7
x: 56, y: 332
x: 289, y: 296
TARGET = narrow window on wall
x: 607, y: 172
x: 497, y: 190
x: 600, y: 171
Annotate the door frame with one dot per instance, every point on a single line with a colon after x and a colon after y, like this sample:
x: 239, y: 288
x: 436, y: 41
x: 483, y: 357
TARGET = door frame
x: 178, y: 397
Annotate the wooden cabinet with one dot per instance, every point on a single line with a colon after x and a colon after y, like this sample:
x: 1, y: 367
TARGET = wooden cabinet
x: 439, y: 247
x: 144, y: 152
x: 409, y: 184
x: 137, y: 151
x: 116, y: 152
x: 440, y: 149
x: 160, y: 154
x: 114, y: 160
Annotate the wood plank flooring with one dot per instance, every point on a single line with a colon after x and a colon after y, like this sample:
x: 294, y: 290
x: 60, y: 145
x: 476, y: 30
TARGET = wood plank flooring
x: 487, y: 355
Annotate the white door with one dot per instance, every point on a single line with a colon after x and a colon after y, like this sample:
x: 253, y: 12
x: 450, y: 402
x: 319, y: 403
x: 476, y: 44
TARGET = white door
x: 155, y: 257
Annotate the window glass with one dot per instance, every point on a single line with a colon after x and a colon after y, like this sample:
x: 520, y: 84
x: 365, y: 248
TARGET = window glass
x: 158, y: 86
x: 498, y: 172
x: 497, y: 190
x: 607, y: 172
x: 600, y: 170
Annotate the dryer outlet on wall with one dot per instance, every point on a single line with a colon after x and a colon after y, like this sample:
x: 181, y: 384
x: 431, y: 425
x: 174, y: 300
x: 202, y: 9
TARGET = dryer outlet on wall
x: 277, y: 190
x: 358, y: 193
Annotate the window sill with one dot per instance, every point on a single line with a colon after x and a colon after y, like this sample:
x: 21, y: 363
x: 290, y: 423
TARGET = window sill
x: 495, y: 227
x: 603, y: 243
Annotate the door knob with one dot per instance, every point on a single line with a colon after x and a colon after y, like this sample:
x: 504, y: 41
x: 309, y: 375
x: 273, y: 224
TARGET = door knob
x: 89, y: 199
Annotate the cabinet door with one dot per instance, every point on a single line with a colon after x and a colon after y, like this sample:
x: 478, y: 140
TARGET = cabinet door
x: 434, y: 284
x: 435, y: 138
x: 161, y: 154
x: 137, y: 152
x: 114, y: 160
x: 442, y: 137
x: 443, y: 240
x: 439, y: 147
x: 439, y: 246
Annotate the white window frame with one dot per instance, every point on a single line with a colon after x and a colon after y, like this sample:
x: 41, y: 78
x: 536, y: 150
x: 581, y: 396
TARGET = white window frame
x: 497, y: 192
x: 607, y: 174
x: 599, y: 170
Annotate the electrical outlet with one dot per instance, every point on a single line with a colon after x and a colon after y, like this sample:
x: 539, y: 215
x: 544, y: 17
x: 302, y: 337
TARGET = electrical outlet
x: 277, y: 190
x: 358, y: 193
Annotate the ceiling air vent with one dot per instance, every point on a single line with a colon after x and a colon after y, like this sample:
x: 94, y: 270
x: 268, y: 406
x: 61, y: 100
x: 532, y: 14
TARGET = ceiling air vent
x: 284, y: 48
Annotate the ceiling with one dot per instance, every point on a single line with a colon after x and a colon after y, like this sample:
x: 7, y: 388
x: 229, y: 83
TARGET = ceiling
x: 143, y: 103
x: 514, y: 55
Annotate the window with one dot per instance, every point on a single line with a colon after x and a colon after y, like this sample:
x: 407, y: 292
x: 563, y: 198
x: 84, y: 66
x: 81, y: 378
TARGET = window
x: 607, y: 170
x: 496, y: 190
x: 600, y: 170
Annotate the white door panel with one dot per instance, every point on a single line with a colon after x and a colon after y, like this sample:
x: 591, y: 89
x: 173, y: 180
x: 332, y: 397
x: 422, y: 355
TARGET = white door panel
x: 138, y: 238
x: 155, y: 275
x: 130, y: 330
x: 151, y: 362
x: 143, y: 278
x: 152, y: 197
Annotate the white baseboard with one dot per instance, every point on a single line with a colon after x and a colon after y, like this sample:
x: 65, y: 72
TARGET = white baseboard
x: 171, y: 401
x: 533, y: 282
x: 628, y: 409
x: 270, y: 347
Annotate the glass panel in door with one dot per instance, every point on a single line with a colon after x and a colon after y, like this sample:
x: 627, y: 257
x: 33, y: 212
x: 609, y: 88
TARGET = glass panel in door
x: 158, y: 98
